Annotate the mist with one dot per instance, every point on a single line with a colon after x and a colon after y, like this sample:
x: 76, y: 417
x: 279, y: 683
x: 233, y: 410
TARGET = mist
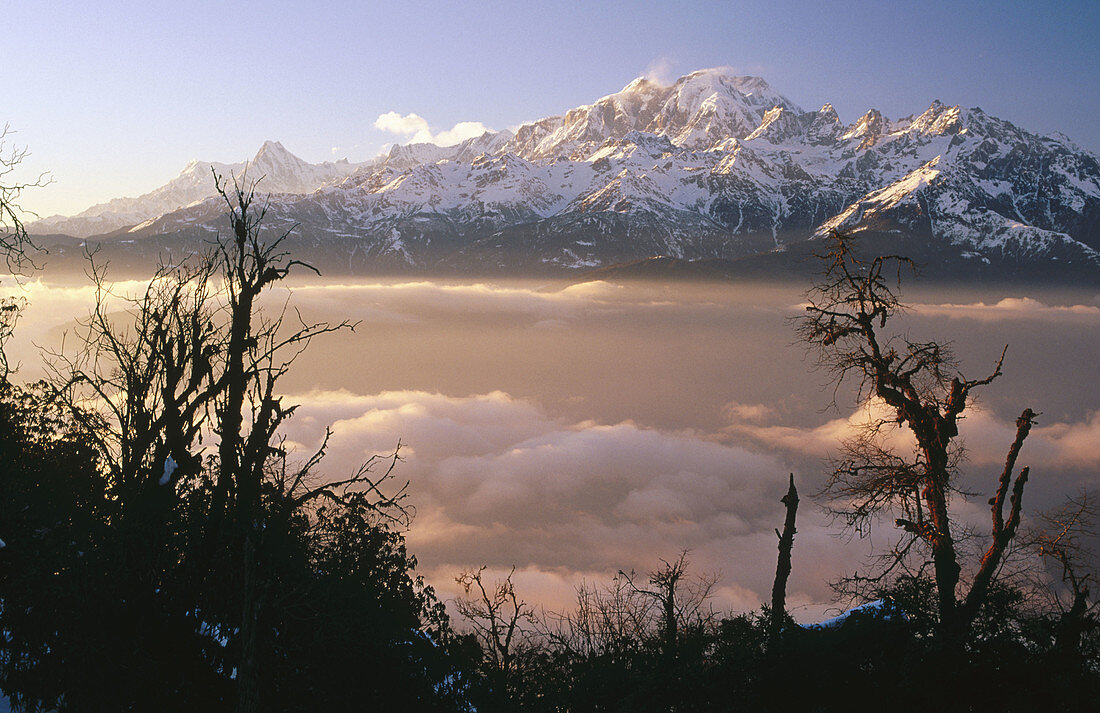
x: 575, y: 430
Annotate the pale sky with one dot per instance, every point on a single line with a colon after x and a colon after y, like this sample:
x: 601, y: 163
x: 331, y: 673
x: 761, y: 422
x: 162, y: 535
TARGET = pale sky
x: 114, y: 98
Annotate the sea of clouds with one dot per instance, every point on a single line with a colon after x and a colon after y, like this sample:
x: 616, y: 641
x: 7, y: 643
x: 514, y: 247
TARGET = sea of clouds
x: 581, y: 430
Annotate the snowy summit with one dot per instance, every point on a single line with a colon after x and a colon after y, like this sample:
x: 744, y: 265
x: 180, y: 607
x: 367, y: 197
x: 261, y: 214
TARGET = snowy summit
x: 714, y: 165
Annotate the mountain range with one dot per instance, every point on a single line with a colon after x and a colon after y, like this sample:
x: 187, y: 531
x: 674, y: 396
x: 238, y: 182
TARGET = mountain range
x: 713, y: 167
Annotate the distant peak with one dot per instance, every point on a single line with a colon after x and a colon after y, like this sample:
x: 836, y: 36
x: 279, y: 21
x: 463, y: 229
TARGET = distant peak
x: 273, y: 154
x: 272, y: 148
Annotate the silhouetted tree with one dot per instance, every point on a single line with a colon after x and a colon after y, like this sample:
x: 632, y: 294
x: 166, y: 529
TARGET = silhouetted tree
x: 53, y: 523
x: 215, y: 569
x: 919, y: 383
x: 1064, y: 537
x: 15, y: 245
x: 500, y: 619
x: 605, y: 620
x: 681, y: 600
x: 783, y: 566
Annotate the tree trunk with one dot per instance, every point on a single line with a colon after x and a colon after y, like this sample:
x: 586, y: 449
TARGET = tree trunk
x: 783, y: 566
x: 248, y: 675
x: 1072, y: 625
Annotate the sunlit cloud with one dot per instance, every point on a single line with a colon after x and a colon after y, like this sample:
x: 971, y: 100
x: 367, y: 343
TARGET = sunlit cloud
x: 985, y: 436
x: 460, y: 132
x: 496, y: 481
x: 760, y: 426
x: 414, y: 300
x: 749, y: 413
x: 412, y: 125
x: 570, y: 493
x: 416, y: 130
x: 1009, y: 308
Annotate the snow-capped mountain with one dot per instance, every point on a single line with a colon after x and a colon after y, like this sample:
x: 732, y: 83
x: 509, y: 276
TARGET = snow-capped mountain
x: 712, y: 166
x: 280, y: 171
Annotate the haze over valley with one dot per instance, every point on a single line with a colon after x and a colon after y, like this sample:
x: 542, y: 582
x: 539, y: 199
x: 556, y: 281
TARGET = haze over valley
x: 577, y: 429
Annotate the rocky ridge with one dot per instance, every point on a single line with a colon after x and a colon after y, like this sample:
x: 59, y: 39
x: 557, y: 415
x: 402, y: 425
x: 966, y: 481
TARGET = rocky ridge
x: 713, y: 166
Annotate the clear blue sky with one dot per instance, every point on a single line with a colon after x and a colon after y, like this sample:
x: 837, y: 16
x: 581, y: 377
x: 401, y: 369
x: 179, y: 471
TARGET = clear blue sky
x: 115, y: 97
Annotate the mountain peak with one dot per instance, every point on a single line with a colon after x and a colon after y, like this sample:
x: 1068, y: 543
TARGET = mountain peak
x: 824, y: 127
x: 868, y: 128
x: 725, y: 78
x: 723, y: 73
x: 713, y: 165
x: 273, y: 150
x: 641, y: 84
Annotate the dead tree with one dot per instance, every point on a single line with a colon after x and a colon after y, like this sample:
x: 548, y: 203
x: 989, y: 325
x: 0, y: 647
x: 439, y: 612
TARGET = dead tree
x: 498, y: 617
x: 184, y: 388
x: 1062, y: 537
x: 15, y: 245
x: 681, y: 601
x: 783, y: 566
x: 849, y: 309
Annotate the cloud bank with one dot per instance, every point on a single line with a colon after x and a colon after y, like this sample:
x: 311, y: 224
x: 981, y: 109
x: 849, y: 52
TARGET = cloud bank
x: 497, y: 481
x: 1010, y: 308
x: 604, y: 444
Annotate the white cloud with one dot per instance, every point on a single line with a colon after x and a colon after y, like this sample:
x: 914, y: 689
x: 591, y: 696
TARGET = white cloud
x: 413, y: 301
x: 497, y: 481
x: 416, y: 129
x: 1010, y: 308
x: 820, y: 441
x: 411, y: 125
x: 460, y: 132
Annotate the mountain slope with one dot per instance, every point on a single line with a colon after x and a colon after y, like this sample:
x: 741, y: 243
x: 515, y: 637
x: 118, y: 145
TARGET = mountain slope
x: 713, y: 166
x: 279, y: 170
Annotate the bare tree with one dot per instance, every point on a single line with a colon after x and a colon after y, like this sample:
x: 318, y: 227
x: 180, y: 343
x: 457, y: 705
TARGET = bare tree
x: 500, y: 619
x: 923, y: 390
x: 14, y: 241
x: 15, y: 244
x: 681, y: 600
x: 192, y: 360
x: 10, y: 307
x: 1064, y: 537
x: 605, y: 620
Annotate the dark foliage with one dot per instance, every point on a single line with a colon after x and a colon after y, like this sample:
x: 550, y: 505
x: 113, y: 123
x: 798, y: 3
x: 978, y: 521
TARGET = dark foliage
x: 162, y: 551
x: 867, y: 663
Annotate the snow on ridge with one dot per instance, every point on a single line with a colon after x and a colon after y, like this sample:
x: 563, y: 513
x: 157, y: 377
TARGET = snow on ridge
x: 710, y: 157
x: 883, y: 199
x: 280, y: 171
